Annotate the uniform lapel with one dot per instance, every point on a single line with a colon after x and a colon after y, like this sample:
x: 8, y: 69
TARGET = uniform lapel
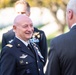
x: 23, y: 47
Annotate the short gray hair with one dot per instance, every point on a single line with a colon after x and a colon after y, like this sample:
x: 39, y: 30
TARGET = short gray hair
x: 72, y: 5
x: 24, y: 3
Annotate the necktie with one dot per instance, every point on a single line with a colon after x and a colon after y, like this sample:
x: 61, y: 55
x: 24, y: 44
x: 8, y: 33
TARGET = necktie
x: 30, y: 47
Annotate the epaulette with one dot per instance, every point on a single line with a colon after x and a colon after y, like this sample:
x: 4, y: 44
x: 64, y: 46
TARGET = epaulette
x: 9, y: 45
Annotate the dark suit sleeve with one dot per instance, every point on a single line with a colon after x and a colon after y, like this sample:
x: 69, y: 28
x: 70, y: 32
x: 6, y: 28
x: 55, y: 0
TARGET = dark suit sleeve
x: 7, y: 63
x: 53, y: 67
x: 43, y: 45
x: 3, y: 41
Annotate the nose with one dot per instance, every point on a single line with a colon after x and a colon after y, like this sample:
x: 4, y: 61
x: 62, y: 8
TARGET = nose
x: 31, y: 28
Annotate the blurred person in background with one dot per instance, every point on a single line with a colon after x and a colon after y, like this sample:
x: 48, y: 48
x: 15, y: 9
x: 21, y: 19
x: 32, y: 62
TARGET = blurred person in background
x: 62, y: 59
x: 22, y: 7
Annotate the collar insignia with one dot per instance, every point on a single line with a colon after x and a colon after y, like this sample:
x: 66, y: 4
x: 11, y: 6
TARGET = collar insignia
x: 10, y: 40
x: 18, y: 44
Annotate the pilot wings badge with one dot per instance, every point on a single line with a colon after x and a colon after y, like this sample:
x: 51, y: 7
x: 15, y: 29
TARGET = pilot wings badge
x: 23, y: 56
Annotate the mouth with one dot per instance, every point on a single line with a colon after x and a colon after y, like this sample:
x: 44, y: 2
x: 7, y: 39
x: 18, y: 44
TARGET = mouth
x: 29, y: 34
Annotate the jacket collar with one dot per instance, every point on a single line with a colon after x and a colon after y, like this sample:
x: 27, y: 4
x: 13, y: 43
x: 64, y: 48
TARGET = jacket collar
x: 74, y: 27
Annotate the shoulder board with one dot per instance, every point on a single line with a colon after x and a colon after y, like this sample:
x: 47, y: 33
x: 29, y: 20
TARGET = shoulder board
x: 9, y: 45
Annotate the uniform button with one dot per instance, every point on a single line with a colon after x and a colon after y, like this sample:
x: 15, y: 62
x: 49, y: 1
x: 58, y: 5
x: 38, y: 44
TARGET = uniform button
x: 39, y: 69
x: 18, y: 44
x: 37, y: 61
x: 26, y: 62
x: 21, y: 62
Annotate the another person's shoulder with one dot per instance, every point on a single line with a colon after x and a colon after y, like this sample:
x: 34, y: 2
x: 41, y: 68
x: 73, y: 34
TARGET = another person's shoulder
x: 9, y: 32
x: 37, y: 30
x: 60, y: 38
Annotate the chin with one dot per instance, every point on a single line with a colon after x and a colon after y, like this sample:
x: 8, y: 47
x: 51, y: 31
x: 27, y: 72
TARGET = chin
x: 29, y: 38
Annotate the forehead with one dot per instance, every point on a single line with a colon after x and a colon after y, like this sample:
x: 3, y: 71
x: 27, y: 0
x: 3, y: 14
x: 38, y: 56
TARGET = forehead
x: 20, y: 8
x: 24, y: 20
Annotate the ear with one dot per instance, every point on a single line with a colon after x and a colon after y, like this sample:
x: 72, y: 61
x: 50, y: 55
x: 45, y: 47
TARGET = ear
x: 28, y: 14
x: 14, y: 28
x: 70, y: 14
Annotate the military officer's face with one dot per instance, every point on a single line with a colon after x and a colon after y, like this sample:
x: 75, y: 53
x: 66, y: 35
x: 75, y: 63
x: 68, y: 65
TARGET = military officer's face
x: 24, y: 28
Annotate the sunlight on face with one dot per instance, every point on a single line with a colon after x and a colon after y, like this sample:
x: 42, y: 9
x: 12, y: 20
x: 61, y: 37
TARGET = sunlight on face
x: 21, y: 9
x: 24, y: 28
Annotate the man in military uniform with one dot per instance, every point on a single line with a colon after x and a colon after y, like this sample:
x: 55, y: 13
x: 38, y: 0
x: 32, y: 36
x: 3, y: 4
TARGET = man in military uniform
x: 18, y: 58
x: 22, y: 7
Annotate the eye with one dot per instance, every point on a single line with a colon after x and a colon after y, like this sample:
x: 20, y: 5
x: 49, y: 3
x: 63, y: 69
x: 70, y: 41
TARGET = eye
x: 31, y: 25
x: 25, y: 26
x: 23, y: 13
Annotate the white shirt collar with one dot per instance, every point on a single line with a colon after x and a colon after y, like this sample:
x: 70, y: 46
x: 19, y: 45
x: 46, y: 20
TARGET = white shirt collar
x: 73, y: 25
x: 25, y: 42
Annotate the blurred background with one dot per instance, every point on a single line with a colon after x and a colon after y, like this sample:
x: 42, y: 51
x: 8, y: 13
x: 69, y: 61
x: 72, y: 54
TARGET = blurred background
x: 47, y: 15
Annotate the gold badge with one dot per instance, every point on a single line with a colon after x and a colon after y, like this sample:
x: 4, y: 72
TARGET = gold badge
x: 36, y: 34
x: 9, y: 45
